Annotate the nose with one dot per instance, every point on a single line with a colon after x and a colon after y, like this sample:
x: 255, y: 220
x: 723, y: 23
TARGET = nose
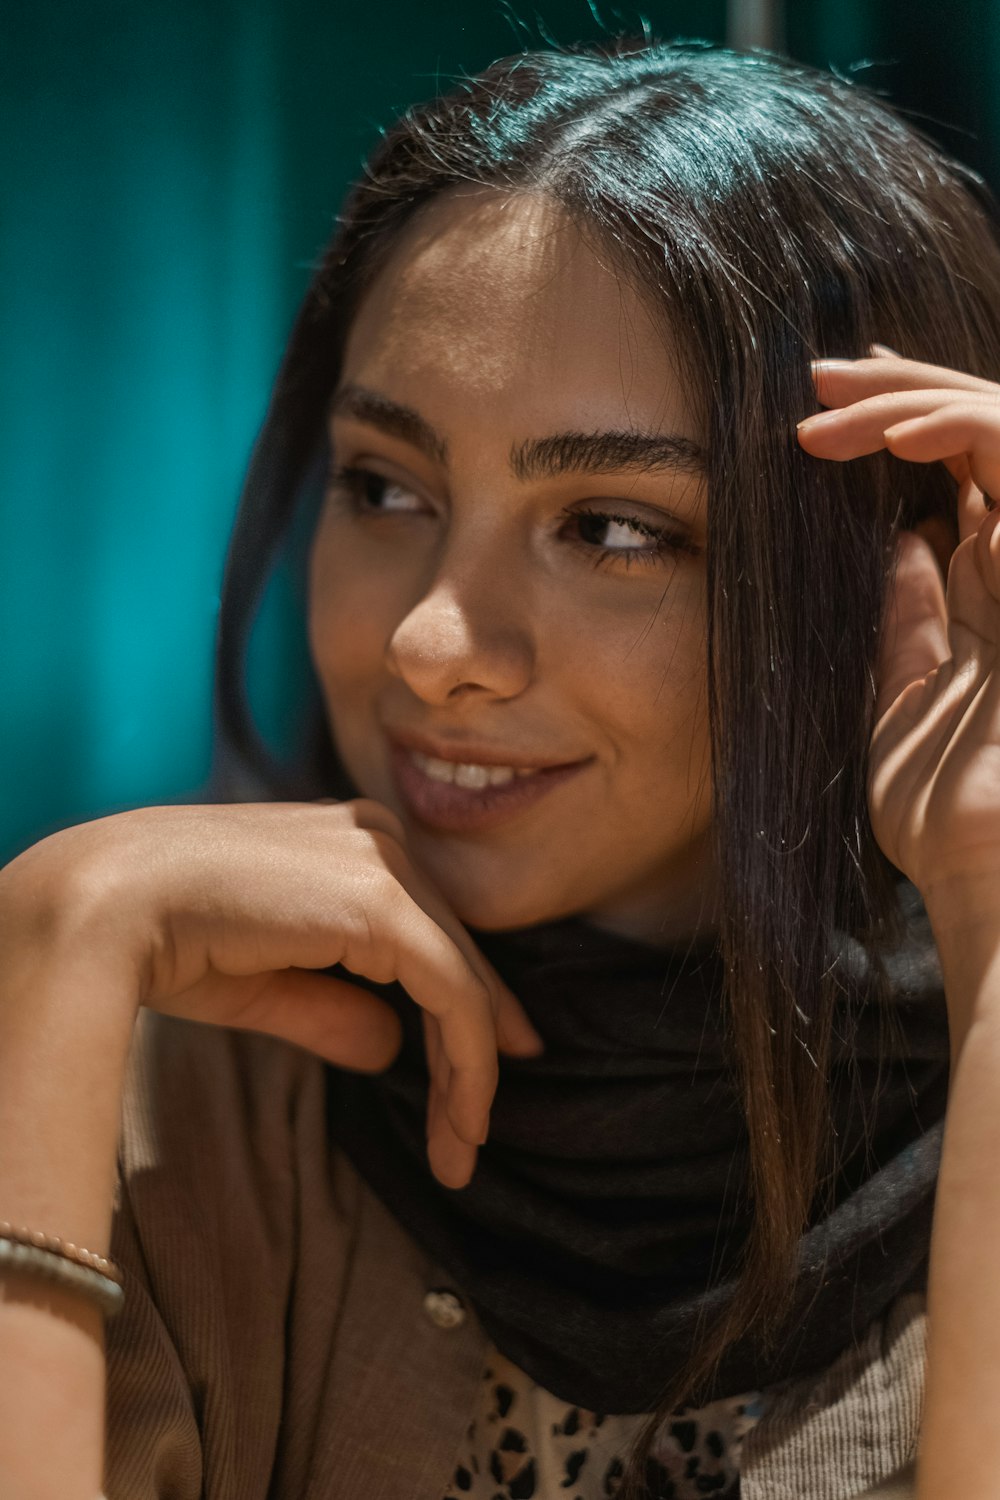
x: 468, y: 635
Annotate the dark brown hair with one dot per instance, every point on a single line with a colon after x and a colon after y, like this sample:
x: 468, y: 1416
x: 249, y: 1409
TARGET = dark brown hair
x: 773, y: 214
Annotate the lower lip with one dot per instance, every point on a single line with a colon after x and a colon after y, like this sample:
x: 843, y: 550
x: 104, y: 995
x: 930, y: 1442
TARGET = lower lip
x: 459, y: 809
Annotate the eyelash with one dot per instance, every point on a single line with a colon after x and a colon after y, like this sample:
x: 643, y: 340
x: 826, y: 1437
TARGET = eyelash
x: 354, y: 482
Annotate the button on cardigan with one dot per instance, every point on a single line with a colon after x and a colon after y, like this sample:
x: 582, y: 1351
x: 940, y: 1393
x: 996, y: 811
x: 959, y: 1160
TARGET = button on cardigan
x: 284, y: 1338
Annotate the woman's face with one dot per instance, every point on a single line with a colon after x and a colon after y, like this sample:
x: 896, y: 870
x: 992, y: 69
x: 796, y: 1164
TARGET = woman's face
x: 508, y: 584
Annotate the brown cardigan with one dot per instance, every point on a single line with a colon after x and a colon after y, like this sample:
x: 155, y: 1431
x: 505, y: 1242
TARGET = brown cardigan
x: 278, y: 1341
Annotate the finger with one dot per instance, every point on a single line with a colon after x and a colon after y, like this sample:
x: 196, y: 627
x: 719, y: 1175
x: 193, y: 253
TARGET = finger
x: 413, y: 937
x: 462, y: 1005
x: 844, y: 380
x: 375, y: 815
x: 433, y: 957
x: 859, y: 428
x: 987, y: 552
x: 452, y: 1160
x: 915, y: 637
x: 958, y: 430
x: 972, y: 507
x: 941, y: 533
x: 435, y: 973
x: 514, y: 1032
x: 339, y: 1021
x: 365, y: 811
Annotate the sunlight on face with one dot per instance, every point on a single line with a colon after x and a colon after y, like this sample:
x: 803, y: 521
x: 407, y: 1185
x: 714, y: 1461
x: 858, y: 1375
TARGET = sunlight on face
x: 512, y: 572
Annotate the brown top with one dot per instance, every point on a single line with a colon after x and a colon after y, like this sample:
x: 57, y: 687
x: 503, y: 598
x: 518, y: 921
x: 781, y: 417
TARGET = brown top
x: 283, y: 1338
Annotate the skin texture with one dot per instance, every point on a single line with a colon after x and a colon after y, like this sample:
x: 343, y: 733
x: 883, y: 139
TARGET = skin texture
x: 463, y: 600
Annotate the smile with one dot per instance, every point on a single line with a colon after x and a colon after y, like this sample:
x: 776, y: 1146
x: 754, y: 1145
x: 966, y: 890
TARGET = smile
x: 463, y: 797
x: 465, y: 773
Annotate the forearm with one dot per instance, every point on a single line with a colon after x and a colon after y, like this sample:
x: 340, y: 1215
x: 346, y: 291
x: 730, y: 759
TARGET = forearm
x: 65, y: 1025
x: 960, y: 1438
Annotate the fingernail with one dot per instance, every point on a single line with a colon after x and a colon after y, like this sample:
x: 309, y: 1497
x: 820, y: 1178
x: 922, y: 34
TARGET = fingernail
x: 484, y: 1132
x: 816, y: 420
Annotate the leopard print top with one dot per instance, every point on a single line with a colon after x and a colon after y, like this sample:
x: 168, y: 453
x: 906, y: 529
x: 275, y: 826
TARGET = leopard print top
x: 523, y: 1443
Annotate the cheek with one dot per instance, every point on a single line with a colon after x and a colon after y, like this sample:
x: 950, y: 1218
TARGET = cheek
x: 657, y: 710
x: 348, y: 624
x: 651, y: 675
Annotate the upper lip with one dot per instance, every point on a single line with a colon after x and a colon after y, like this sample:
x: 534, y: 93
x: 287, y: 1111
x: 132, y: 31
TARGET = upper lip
x: 474, y: 752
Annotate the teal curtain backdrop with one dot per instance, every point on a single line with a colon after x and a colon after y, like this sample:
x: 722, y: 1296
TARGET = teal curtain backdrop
x: 169, y: 172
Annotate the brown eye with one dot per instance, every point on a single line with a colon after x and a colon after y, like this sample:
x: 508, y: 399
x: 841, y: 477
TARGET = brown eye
x: 609, y: 535
x: 371, y: 493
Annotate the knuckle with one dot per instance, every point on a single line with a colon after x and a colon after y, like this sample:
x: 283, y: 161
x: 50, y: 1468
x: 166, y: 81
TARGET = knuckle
x: 482, y: 992
x: 386, y: 844
x: 367, y: 948
x: 376, y: 817
x: 491, y: 989
x: 381, y: 849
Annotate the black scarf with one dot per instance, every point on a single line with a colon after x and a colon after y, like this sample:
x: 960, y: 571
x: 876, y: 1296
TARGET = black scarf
x: 608, y: 1206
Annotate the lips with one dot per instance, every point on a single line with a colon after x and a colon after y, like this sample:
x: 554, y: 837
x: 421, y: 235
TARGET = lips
x: 456, y: 809
x: 471, y: 752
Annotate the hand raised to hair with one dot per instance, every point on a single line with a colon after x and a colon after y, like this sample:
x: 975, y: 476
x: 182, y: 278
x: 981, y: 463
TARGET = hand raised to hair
x: 934, y: 780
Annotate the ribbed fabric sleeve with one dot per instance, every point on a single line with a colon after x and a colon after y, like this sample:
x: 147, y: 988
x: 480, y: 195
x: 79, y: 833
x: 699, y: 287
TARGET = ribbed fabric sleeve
x: 854, y: 1426
x: 203, y: 1230
x: 274, y: 1343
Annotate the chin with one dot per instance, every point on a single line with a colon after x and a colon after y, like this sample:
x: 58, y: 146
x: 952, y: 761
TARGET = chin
x: 494, y: 889
x: 496, y: 916
x: 492, y: 910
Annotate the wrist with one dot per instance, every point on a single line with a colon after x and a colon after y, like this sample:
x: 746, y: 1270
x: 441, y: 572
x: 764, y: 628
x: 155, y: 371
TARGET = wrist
x: 964, y: 916
x: 68, y: 1002
x: 68, y: 900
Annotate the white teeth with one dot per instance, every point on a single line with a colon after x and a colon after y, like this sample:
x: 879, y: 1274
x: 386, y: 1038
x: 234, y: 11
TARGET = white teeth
x: 473, y: 777
x: 440, y: 770
x: 464, y: 774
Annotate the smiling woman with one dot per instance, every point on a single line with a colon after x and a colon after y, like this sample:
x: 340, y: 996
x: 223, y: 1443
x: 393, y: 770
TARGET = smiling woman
x: 625, y: 933
x: 509, y: 626
x: 562, y: 338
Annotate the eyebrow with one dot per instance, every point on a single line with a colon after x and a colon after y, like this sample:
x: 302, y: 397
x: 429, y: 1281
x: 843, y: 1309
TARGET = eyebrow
x: 535, y: 458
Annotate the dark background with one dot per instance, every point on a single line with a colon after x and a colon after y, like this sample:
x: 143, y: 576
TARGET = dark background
x: 169, y: 171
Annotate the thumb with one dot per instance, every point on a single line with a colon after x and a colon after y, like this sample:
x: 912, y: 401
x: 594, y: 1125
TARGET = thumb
x: 915, y: 633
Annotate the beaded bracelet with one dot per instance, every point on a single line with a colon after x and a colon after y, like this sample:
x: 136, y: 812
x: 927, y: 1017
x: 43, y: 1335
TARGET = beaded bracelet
x: 59, y: 1260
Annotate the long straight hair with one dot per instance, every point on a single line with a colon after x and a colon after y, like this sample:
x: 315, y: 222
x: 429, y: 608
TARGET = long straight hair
x: 769, y: 214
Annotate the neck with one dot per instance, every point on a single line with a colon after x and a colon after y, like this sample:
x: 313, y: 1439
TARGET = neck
x: 664, y: 916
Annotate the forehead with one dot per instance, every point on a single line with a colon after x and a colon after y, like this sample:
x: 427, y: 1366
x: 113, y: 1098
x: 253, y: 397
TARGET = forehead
x: 502, y: 298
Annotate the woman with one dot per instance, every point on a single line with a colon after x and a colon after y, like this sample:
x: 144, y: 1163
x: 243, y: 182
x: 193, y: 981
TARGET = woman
x: 644, y: 726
